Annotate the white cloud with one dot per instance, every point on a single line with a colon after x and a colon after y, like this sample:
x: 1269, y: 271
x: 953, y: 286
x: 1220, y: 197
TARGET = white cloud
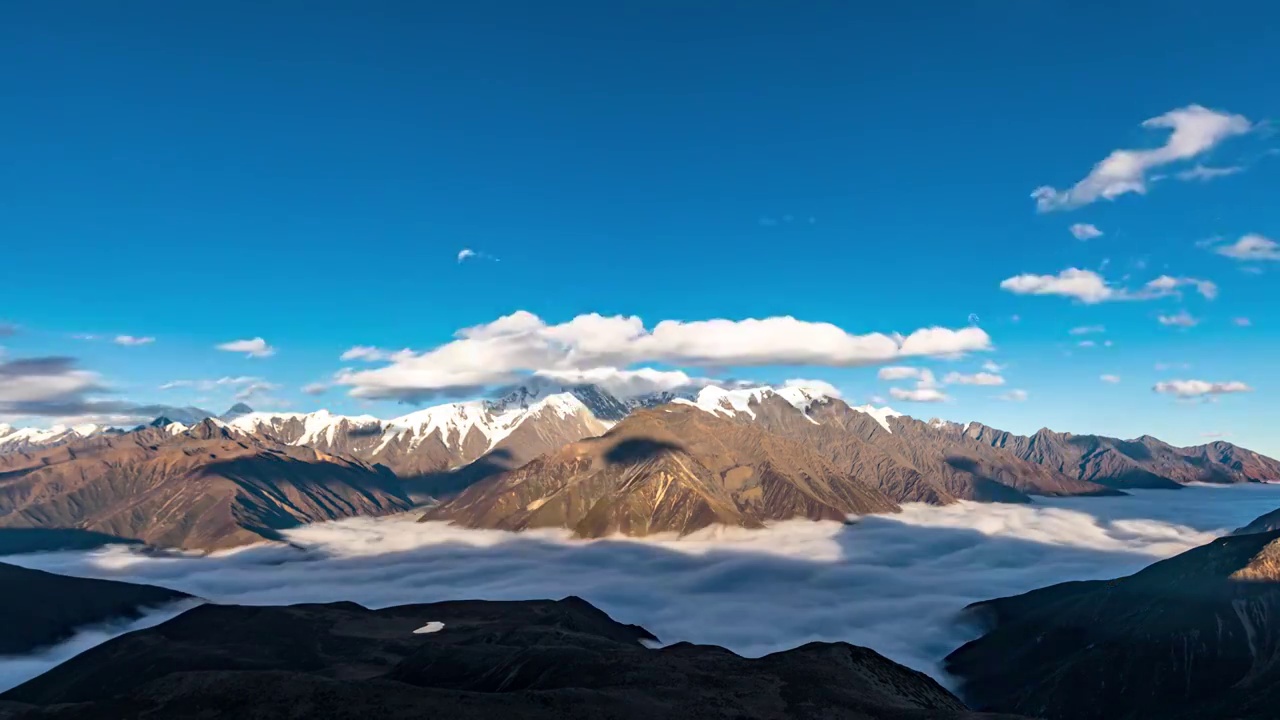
x: 1087, y: 344
x: 255, y: 347
x: 1205, y: 173
x: 1091, y: 288
x: 368, y: 353
x: 465, y: 253
x: 1182, y: 319
x: 1200, y: 388
x: 1113, y: 379
x: 1085, y: 231
x: 256, y: 390
x: 1195, y: 130
x: 1088, y: 329
x: 820, y: 386
x: 982, y: 378
x: 1251, y: 247
x: 515, y: 345
x: 892, y: 583
x: 468, y: 254
x: 993, y: 366
x: 920, y: 395
x: 315, y: 388
x: 209, y: 385
x: 1013, y: 396
x: 628, y: 383
x: 130, y: 340
x: 1242, y: 322
x: 898, y: 372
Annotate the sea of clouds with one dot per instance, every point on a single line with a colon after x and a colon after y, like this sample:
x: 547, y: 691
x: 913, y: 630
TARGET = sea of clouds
x: 893, y: 583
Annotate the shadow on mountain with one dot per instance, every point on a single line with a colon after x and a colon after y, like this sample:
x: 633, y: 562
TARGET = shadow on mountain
x: 17, y: 541
x: 366, y: 431
x: 985, y: 487
x: 441, y: 484
x: 638, y: 450
x: 1135, y: 450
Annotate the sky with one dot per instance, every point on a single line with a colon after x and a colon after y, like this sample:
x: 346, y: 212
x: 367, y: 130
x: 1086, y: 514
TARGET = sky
x: 205, y: 202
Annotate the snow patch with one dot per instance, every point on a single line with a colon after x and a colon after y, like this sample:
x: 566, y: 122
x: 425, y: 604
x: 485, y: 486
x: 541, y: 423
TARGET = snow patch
x: 431, y: 627
x: 880, y: 414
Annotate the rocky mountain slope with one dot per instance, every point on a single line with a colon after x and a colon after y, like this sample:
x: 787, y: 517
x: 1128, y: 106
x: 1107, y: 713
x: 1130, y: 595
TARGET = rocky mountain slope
x: 675, y: 468
x: 468, y: 659
x: 1194, y: 636
x: 204, y: 488
x: 1265, y: 523
x: 38, y: 609
x: 1142, y: 463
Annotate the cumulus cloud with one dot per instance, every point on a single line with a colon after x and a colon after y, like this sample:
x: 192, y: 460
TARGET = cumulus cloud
x: 982, y: 378
x: 1194, y: 130
x: 1091, y: 288
x: 926, y: 390
x: 516, y: 345
x: 1013, y: 396
x: 1113, y: 379
x: 465, y: 253
x: 1182, y: 319
x: 129, y: 340
x: 1200, y: 388
x: 1251, y: 247
x: 1205, y: 173
x: 1085, y: 231
x: 892, y: 583
x: 254, y: 348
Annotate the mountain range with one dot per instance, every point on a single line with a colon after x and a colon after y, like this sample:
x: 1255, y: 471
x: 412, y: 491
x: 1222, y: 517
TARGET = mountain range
x: 571, y: 456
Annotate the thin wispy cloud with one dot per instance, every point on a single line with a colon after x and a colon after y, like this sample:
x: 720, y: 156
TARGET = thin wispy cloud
x: 1089, y: 287
x: 1111, y: 379
x: 1087, y: 329
x: 1205, y: 173
x: 1200, y: 388
x: 132, y: 340
x: 1194, y: 130
x: 1013, y: 396
x: 1182, y: 319
x: 254, y: 347
x: 1251, y: 248
x: 466, y: 254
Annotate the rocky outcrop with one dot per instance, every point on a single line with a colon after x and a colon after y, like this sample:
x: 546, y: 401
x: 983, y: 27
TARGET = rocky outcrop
x: 38, y: 609
x: 205, y: 488
x: 675, y: 469
x: 469, y: 659
x: 1194, y: 636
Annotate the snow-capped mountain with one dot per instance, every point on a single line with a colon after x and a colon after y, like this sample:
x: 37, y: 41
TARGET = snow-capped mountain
x: 738, y: 402
x: 26, y: 439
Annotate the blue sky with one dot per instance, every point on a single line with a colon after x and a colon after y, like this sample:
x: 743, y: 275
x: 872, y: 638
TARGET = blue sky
x: 308, y: 174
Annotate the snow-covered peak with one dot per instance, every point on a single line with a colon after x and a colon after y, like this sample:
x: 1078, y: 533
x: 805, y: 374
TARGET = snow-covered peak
x: 719, y: 401
x: 175, y: 428
x: 19, y: 439
x: 879, y: 414
x: 315, y: 427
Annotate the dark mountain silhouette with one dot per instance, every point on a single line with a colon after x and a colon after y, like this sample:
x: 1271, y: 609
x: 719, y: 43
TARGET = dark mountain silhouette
x: 38, y: 609
x: 530, y: 659
x: 1194, y: 636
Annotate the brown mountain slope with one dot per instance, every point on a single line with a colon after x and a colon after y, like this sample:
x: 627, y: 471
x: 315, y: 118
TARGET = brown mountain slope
x: 1142, y: 463
x: 1194, y: 636
x: 913, y: 461
x: 38, y: 609
x: 204, y: 489
x: 535, y: 659
x: 673, y: 468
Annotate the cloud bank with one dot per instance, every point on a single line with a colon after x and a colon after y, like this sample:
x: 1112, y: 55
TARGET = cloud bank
x: 892, y: 583
x: 515, y: 346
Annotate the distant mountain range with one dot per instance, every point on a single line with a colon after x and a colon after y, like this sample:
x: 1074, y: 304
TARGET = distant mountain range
x: 561, y: 456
